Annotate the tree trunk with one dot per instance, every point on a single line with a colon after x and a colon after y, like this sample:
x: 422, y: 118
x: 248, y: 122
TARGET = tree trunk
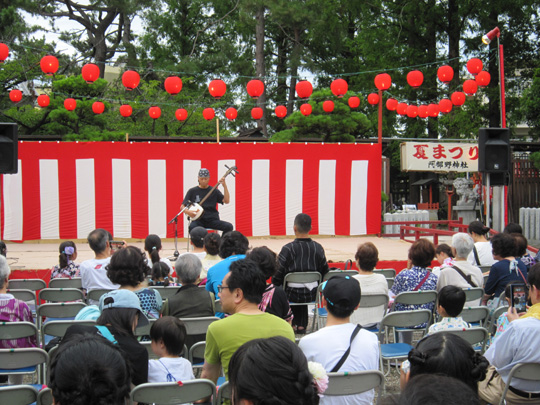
x: 295, y: 61
x: 259, y: 64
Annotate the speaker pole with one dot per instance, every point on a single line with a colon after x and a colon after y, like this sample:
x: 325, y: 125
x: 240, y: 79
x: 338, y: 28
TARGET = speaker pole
x: 488, y: 200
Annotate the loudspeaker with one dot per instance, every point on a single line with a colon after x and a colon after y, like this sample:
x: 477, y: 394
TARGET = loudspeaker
x: 9, y: 136
x: 494, y: 150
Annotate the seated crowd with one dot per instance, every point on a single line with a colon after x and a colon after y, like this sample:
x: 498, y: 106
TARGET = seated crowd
x: 252, y: 341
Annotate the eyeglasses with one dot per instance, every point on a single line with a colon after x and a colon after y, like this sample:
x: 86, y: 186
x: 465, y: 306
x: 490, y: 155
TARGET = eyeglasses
x: 221, y: 287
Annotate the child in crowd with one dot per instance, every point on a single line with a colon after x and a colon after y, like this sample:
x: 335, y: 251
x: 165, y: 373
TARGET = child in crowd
x: 168, y: 335
x: 443, y: 254
x: 66, y: 268
x: 450, y: 305
x: 160, y: 275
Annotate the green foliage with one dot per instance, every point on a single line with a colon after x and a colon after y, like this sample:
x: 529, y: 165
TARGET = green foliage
x: 535, y: 158
x: 531, y: 104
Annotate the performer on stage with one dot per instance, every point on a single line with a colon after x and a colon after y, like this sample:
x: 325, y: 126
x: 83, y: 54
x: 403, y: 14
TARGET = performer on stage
x: 210, y: 217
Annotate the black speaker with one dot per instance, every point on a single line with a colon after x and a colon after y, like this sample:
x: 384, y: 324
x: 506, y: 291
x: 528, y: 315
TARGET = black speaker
x: 494, y: 150
x: 9, y: 148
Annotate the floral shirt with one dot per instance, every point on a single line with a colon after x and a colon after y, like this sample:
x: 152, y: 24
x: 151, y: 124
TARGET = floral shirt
x: 70, y: 271
x: 408, y: 280
x: 14, y: 310
x: 449, y: 323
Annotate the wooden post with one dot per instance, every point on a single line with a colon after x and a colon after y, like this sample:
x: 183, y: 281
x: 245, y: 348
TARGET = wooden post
x: 127, y: 137
x: 217, y: 129
x: 380, y: 118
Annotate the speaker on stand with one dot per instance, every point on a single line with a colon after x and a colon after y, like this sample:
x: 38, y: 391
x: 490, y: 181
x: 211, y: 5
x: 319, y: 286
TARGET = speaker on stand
x: 9, y: 137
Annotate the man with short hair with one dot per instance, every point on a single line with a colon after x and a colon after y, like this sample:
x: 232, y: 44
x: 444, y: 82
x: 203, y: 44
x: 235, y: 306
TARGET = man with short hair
x: 519, y: 343
x: 93, y: 271
x: 301, y: 255
x: 341, y: 296
x: 240, y: 293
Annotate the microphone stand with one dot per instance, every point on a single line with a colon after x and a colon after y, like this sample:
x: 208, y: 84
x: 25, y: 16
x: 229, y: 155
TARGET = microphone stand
x: 175, y: 220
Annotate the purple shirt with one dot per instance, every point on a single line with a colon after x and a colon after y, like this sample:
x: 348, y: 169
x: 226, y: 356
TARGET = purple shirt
x: 14, y: 310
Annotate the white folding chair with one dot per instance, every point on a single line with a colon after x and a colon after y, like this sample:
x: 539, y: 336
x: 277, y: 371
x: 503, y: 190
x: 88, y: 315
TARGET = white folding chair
x: 45, y: 396
x: 58, y: 310
x: 419, y: 297
x: 477, y: 337
x: 95, y: 295
x: 173, y: 393
x: 525, y: 371
x: 75, y: 282
x: 476, y: 316
x: 32, y: 284
x: 300, y: 278
x: 224, y: 392
x: 196, y: 352
x: 27, y: 296
x: 59, y: 328
x: 198, y: 326
x: 18, y: 395
x: 473, y: 293
x: 387, y: 273
x: 60, y: 295
x: 390, y: 282
x: 371, y: 301
x: 28, y: 360
x: 355, y: 382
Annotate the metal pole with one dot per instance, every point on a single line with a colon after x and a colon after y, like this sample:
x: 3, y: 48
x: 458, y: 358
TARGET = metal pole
x: 488, y: 201
x: 501, y: 84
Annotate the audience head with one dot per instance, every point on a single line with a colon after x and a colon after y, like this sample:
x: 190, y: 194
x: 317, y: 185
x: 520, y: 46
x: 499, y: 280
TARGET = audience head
x: 160, y: 274
x: 245, y: 276
x: 168, y: 334
x: 89, y: 370
x: 233, y: 243
x: 211, y: 243
x: 188, y: 268
x: 197, y: 236
x: 265, y: 259
x: 127, y: 267
x: 437, y: 389
x: 342, y: 295
x: 98, y: 240
x: 68, y: 253
x: 478, y: 228
x: 521, y: 244
x: 122, y: 310
x: 452, y: 299
x: 512, y: 227
x: 463, y: 244
x: 448, y: 354
x: 421, y: 253
x: 152, y: 244
x: 533, y: 278
x: 4, y: 272
x: 366, y: 256
x: 271, y: 371
x: 503, y: 245
x: 443, y: 252
x: 3, y: 249
x: 302, y: 223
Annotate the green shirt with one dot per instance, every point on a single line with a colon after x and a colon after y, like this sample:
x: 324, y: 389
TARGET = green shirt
x: 225, y: 336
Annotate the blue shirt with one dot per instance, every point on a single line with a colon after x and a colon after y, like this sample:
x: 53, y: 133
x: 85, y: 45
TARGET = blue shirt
x: 217, y: 272
x: 500, y: 275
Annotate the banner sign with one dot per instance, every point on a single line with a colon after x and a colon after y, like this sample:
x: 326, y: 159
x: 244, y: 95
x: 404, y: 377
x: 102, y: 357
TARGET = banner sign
x: 439, y: 157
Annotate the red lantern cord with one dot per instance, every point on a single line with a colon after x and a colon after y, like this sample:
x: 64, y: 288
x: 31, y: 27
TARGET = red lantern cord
x: 445, y: 105
x: 281, y: 111
x: 173, y: 85
x: 15, y: 95
x: 412, y: 111
x: 328, y: 106
x: 130, y: 79
x: 98, y: 107
x: 217, y: 89
x: 391, y: 104
x: 255, y: 88
x: 445, y: 73
x: 339, y: 88
x: 401, y: 108
x: 154, y: 112
x: 126, y: 110
x: 70, y: 104
x: 49, y: 65
x: 306, y: 109
x: 483, y: 78
x: 181, y: 114
x: 458, y: 98
x: 354, y: 102
x: 415, y: 78
x: 90, y: 72
x: 208, y: 114
x: 43, y: 100
x: 470, y: 87
x: 422, y: 111
x: 257, y: 113
x: 304, y: 89
x: 383, y: 81
x: 4, y: 52
x: 474, y: 66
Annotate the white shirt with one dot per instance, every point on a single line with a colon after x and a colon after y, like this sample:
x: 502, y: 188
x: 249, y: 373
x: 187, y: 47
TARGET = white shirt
x: 327, y: 346
x: 485, y: 254
x: 450, y: 276
x: 94, y: 275
x: 369, y: 285
x: 179, y: 368
x: 449, y: 323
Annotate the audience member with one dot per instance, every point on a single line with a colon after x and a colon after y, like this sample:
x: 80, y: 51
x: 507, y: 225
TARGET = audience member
x: 366, y: 258
x: 461, y: 273
x: 240, y: 293
x: 271, y: 371
x: 274, y: 300
x: 481, y: 253
x: 3, y: 249
x: 152, y: 245
x: 66, y: 268
x: 196, y: 236
x: 121, y: 314
x: 450, y: 304
x: 89, y: 370
x: 93, y: 272
x: 521, y: 250
x: 512, y: 227
x: 168, y: 335
x: 233, y: 247
x: 212, y: 241
x: 301, y: 255
x: 160, y: 276
x: 506, y: 269
x: 520, y: 343
x: 127, y: 268
x: 352, y: 348
x: 445, y: 257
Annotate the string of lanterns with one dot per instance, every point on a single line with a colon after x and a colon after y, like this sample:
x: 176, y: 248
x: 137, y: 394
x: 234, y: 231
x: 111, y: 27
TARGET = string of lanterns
x: 255, y: 88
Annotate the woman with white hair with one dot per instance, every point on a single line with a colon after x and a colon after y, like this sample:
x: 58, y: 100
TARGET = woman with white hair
x: 462, y: 273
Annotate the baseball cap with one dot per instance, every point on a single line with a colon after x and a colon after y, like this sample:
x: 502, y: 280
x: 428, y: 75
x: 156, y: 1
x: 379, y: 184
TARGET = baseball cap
x: 123, y: 299
x: 342, y: 292
x: 198, y: 233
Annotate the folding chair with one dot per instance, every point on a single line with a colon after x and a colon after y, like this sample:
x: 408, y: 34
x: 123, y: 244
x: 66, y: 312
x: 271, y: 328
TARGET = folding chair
x: 195, y: 353
x: 217, y: 306
x: 477, y: 337
x: 18, y: 394
x: 492, y: 322
x: 419, y: 297
x: 302, y: 277
x: 390, y: 282
x: 387, y: 273
x: 525, y: 371
x: 60, y: 295
x: 198, y: 326
x: 27, y: 296
x: 371, y: 301
x: 333, y: 273
x: 28, y: 360
x: 17, y: 330
x: 473, y: 293
x: 32, y: 284
x: 95, y: 295
x: 173, y: 393
x: 75, y: 282
x: 476, y: 316
x: 145, y: 330
x: 45, y: 397
x: 59, y: 328
x: 224, y: 392
x: 355, y: 382
x: 165, y: 292
x: 58, y: 311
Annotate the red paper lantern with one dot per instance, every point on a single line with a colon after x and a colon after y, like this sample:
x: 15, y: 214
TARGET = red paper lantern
x: 445, y: 73
x: 339, y: 87
x: 217, y: 89
x: 483, y: 78
x: 470, y: 87
x: 412, y: 111
x: 98, y: 107
x: 433, y: 110
x: 422, y: 111
x: 15, y: 95
x: 231, y: 113
x: 4, y: 52
x: 281, y: 111
x: 445, y: 105
x: 328, y: 106
x: 70, y: 104
x: 354, y: 102
x: 306, y: 109
x: 130, y: 79
x: 181, y: 114
x: 126, y: 110
x: 474, y: 66
x: 90, y: 72
x: 257, y: 113
x: 383, y: 81
x: 49, y: 65
x: 415, y: 78
x: 173, y: 85
x: 304, y: 89
x: 391, y: 104
x: 154, y: 112
x: 373, y: 99
x: 458, y: 98
x: 401, y: 108
x: 43, y: 100
x: 208, y: 114
x: 255, y: 88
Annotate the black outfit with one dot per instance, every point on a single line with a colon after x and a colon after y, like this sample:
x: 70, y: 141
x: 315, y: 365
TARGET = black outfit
x: 279, y: 305
x: 300, y: 255
x: 135, y: 353
x: 210, y: 217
